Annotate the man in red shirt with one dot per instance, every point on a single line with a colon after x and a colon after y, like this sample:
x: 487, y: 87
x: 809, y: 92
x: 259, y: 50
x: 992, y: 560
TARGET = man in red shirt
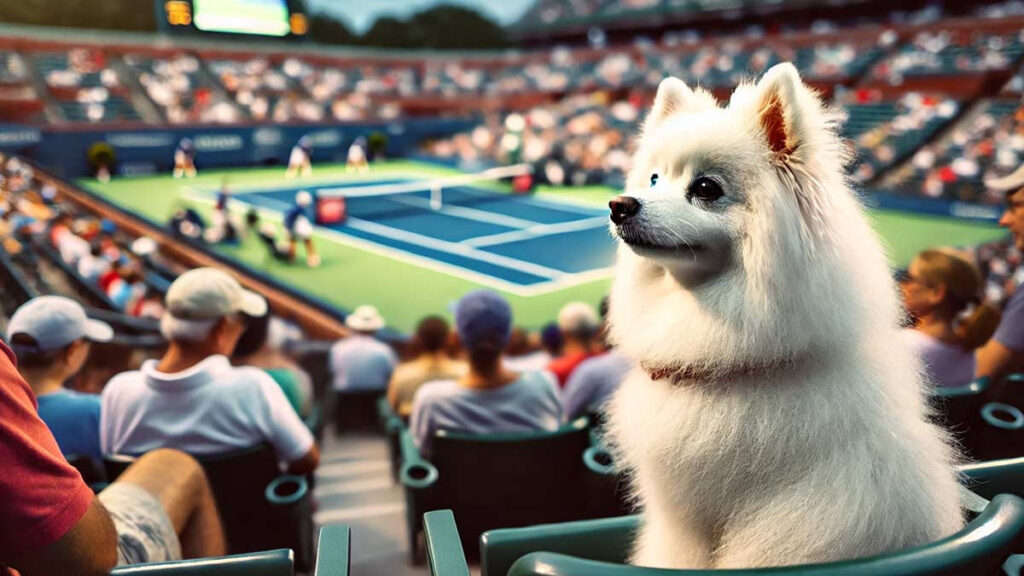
x: 161, y: 508
x: 579, y: 326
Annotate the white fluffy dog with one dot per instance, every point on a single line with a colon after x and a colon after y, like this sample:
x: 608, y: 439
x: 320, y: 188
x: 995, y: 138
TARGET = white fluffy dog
x: 774, y: 417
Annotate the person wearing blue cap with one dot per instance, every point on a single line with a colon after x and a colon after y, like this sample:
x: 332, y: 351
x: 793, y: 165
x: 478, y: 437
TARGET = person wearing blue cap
x: 50, y: 335
x: 489, y: 398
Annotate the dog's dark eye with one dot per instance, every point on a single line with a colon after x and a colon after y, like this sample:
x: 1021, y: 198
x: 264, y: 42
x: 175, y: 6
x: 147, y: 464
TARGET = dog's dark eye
x: 654, y: 179
x: 705, y: 189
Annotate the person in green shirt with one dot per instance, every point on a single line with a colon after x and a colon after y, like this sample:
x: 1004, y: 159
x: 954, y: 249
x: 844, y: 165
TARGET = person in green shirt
x: 254, y: 349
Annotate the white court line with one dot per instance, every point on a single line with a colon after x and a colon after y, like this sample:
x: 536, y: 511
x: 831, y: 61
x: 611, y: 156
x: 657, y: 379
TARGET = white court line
x: 343, y: 469
x: 469, y: 213
x: 344, y: 514
x: 537, y: 231
x: 354, y: 487
x: 453, y: 248
x: 426, y: 262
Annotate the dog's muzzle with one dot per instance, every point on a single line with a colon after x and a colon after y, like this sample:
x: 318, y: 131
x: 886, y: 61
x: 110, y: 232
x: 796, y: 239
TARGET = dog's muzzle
x: 623, y: 208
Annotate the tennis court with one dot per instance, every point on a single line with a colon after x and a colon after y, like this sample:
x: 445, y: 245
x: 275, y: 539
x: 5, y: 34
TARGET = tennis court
x: 410, y: 260
x: 506, y: 240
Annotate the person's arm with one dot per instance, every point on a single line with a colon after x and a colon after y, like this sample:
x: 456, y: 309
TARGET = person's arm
x: 88, y: 548
x: 995, y: 360
x: 283, y: 428
x: 1001, y: 353
x: 307, y: 463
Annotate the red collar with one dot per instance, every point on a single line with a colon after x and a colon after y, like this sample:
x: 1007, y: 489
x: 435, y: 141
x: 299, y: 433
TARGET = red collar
x: 681, y: 374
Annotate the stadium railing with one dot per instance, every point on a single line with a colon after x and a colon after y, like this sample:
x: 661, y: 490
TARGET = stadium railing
x: 333, y: 559
x: 601, y: 547
x: 501, y: 480
x: 260, y: 507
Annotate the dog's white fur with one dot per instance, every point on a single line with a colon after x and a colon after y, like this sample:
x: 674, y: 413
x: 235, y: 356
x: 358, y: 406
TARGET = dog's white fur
x: 825, y: 453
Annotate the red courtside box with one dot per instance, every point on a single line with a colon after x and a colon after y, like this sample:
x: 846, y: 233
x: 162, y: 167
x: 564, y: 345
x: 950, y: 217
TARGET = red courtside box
x: 330, y: 210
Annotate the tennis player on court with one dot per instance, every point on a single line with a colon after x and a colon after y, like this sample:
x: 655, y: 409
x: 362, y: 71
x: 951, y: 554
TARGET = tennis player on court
x: 299, y: 162
x: 357, y: 156
x: 185, y: 159
x: 299, y: 228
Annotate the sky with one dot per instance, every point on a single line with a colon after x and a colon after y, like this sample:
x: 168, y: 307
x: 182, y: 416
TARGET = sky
x: 361, y: 14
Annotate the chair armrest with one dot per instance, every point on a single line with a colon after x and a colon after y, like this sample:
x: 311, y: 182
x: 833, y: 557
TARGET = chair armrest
x: 444, y: 548
x: 416, y: 472
x: 597, y: 458
x: 286, y: 489
x: 995, y: 477
x: 972, y: 388
x: 333, y: 551
x: 269, y: 563
x: 606, y: 539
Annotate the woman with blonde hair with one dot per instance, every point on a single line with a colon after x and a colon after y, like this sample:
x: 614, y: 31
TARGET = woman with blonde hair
x: 942, y: 293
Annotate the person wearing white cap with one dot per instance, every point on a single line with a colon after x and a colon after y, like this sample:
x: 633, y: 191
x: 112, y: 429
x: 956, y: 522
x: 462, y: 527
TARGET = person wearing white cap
x: 193, y: 399
x: 579, y: 325
x: 1004, y: 352
x: 359, y: 361
x: 51, y: 336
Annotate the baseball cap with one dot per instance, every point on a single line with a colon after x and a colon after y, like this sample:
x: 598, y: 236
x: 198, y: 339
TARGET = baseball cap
x: 482, y: 314
x: 55, y: 321
x: 207, y: 293
x: 1008, y: 183
x: 577, y: 317
x: 365, y: 318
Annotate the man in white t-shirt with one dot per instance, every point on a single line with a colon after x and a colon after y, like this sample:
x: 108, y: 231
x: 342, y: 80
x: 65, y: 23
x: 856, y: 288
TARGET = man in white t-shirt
x: 192, y: 399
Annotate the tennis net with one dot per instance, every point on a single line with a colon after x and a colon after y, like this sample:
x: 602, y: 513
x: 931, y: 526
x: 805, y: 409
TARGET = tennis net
x: 398, y: 198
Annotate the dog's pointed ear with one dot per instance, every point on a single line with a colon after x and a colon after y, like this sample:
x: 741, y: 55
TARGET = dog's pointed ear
x: 674, y: 97
x: 779, y: 109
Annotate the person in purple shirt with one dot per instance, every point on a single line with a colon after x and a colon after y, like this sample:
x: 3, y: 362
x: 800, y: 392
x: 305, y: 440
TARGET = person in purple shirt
x: 593, y: 383
x: 489, y: 398
x: 942, y: 293
x: 1004, y: 352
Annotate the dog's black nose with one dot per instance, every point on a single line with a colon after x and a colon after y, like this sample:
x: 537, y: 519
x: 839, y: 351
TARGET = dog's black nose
x: 623, y: 208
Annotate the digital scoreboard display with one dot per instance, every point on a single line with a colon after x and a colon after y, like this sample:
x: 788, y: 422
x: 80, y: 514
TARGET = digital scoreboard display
x: 279, y: 18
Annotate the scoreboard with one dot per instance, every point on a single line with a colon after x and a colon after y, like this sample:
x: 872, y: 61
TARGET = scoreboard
x: 280, y: 18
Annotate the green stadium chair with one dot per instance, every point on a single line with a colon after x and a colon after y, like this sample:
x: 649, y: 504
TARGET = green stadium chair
x: 333, y: 559
x: 355, y: 410
x: 1012, y: 391
x: 261, y: 508
x: 392, y: 424
x: 269, y: 563
x: 958, y: 411
x: 995, y: 477
x: 599, y: 548
x: 499, y: 480
x: 1000, y: 433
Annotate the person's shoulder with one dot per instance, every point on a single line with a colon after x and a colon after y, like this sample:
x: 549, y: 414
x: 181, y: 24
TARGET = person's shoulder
x: 437, y: 389
x: 247, y: 378
x: 122, y: 382
x: 1015, y: 304
x: 538, y: 381
x: 82, y: 400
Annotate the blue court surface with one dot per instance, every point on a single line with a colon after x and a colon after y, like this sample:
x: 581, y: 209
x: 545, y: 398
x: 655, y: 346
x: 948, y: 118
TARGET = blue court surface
x: 516, y: 241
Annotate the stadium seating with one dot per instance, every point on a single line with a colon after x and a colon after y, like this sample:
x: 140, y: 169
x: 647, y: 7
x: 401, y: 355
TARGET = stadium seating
x: 514, y: 480
x: 333, y: 559
x: 356, y: 410
x: 599, y: 548
x: 260, y: 507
